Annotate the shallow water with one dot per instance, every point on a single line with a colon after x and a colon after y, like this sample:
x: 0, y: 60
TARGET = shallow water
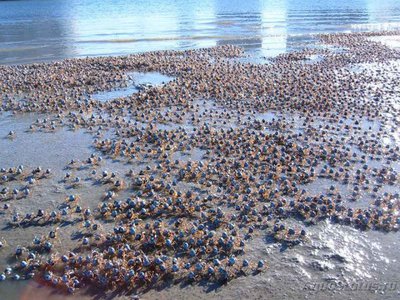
x: 136, y: 80
x: 49, y: 30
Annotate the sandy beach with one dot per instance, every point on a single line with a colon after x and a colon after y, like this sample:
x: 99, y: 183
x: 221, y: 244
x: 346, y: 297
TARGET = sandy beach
x: 199, y: 174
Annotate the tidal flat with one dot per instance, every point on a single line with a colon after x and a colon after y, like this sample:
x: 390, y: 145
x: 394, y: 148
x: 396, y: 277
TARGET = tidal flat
x: 212, y: 176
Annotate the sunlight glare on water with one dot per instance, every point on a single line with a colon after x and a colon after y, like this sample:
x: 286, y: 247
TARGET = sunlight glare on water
x: 33, y: 31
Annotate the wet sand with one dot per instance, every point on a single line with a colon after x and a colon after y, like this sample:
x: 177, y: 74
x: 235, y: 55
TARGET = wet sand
x: 308, y: 142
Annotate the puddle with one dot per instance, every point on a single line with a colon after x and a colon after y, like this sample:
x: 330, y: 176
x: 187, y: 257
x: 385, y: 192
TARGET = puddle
x: 138, y: 81
x: 313, y: 59
x: 268, y: 116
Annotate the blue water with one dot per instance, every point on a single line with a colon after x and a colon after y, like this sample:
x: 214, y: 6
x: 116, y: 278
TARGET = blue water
x: 40, y: 30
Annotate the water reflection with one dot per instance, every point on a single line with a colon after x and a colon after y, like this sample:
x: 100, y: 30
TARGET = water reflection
x: 48, y: 30
x: 274, y: 19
